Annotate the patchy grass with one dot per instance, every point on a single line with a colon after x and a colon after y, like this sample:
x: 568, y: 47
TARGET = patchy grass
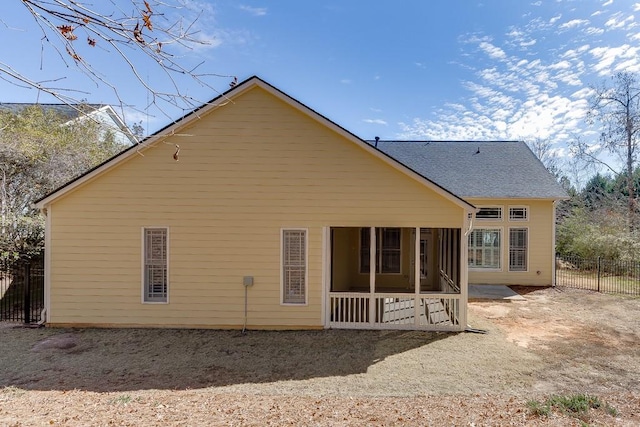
x: 121, y: 400
x: 575, y: 405
x: 553, y: 353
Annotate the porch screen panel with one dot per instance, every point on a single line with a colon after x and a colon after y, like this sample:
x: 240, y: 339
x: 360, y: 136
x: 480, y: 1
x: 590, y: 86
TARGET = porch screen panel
x: 388, y: 250
x: 155, y: 265
x: 518, y: 249
x: 294, y: 266
x: 390, y: 244
x: 365, y: 242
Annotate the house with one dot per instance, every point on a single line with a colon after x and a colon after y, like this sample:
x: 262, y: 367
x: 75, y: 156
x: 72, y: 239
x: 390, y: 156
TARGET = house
x: 103, y: 114
x: 256, y: 211
x: 513, y: 236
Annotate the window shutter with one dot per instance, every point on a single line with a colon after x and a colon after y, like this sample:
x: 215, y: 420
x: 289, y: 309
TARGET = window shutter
x: 294, y: 266
x: 155, y: 264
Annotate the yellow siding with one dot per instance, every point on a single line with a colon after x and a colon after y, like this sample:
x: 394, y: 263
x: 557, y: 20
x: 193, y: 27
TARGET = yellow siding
x: 245, y: 171
x: 540, y: 250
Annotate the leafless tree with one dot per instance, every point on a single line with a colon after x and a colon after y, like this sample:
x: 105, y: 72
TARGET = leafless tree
x: 543, y: 149
x: 615, y: 109
x: 149, y: 29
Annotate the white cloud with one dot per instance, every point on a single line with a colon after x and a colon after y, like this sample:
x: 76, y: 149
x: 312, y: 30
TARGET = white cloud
x: 606, y: 58
x: 255, y: 11
x: 573, y: 24
x: 534, y: 81
x: 583, y: 93
x: 616, y: 21
x: 593, y: 31
x: 491, y: 50
x: 375, y: 121
x: 607, y: 3
x: 636, y: 7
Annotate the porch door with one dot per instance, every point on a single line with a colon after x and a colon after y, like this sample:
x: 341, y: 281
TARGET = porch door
x: 426, y: 250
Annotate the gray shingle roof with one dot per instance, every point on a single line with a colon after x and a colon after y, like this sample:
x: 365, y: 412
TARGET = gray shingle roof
x: 485, y: 169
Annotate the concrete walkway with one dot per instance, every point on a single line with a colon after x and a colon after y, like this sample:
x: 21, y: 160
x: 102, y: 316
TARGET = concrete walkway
x: 493, y: 292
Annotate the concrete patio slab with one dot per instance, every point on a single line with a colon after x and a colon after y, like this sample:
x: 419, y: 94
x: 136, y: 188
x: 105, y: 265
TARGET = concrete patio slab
x: 493, y: 292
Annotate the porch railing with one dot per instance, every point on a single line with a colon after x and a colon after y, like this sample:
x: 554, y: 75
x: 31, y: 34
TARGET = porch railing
x: 427, y: 311
x: 447, y: 284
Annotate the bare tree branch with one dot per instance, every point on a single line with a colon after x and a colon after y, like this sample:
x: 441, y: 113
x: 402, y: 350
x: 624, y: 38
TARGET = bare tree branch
x: 616, y: 109
x: 148, y: 30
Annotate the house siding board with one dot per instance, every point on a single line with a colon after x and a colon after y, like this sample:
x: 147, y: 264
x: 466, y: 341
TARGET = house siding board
x: 539, y: 249
x: 245, y: 171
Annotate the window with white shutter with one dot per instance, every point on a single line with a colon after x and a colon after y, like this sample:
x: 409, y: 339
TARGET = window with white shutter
x: 294, y: 266
x: 155, y: 265
x: 484, y: 248
x: 518, y: 249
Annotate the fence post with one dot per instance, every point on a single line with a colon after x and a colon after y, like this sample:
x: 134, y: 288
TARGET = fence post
x: 598, y: 274
x: 27, y: 293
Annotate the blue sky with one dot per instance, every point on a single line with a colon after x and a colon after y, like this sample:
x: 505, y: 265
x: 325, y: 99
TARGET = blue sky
x: 454, y: 69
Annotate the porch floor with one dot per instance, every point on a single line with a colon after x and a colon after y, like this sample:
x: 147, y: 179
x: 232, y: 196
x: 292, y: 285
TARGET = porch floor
x: 494, y: 292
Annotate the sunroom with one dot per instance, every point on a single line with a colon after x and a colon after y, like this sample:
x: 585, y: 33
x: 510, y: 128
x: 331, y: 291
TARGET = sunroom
x: 397, y: 278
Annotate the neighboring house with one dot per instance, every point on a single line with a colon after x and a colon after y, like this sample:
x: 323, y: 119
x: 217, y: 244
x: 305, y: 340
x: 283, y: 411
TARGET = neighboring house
x: 103, y: 114
x: 256, y: 211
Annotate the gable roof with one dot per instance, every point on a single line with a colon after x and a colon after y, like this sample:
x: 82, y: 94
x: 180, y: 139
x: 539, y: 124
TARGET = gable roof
x: 486, y: 169
x: 223, y: 100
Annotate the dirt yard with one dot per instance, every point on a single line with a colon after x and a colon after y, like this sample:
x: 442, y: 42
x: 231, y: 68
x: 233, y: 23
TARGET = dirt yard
x: 556, y: 342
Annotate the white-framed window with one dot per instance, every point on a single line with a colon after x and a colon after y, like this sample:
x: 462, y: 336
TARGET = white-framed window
x: 518, y: 249
x: 388, y: 250
x: 294, y: 266
x: 484, y: 248
x: 155, y: 255
x: 518, y: 213
x: 489, y: 213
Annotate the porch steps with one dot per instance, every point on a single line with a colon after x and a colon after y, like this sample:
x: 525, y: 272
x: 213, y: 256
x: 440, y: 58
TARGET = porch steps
x: 436, y: 313
x: 402, y: 312
x: 398, y: 312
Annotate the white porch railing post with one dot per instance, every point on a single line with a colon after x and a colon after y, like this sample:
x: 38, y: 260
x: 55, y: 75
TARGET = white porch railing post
x: 417, y: 260
x: 464, y: 272
x: 372, y: 274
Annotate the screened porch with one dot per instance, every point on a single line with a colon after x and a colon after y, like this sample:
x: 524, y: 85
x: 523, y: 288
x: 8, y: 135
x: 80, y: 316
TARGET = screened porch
x: 395, y: 278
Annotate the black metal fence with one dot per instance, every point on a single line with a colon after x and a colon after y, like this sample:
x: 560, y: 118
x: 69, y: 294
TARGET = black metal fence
x: 599, y: 274
x: 22, y: 289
